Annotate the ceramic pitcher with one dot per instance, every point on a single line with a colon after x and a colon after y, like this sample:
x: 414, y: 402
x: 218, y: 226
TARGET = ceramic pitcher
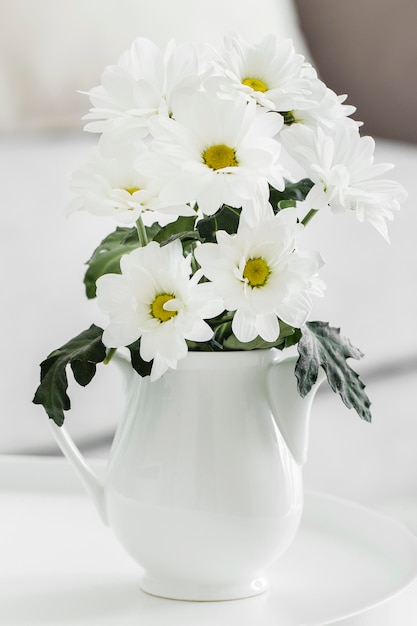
x: 203, y: 486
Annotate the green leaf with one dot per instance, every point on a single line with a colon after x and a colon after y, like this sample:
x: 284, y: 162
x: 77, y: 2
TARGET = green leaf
x: 221, y: 333
x: 292, y: 339
x: 322, y: 345
x: 296, y: 192
x: 106, y: 257
x: 143, y: 368
x: 182, y: 228
x: 184, y: 236
x: 226, y: 218
x: 152, y: 231
x: 82, y: 353
x: 83, y: 371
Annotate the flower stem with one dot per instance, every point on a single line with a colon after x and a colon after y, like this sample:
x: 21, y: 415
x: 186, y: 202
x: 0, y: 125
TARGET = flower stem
x: 142, y: 236
x: 309, y: 216
x: 109, y: 355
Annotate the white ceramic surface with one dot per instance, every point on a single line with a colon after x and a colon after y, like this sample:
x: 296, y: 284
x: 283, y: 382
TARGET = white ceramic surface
x: 204, y: 487
x: 60, y: 566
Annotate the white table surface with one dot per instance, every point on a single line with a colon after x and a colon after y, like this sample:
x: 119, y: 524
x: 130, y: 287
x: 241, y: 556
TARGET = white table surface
x: 60, y: 566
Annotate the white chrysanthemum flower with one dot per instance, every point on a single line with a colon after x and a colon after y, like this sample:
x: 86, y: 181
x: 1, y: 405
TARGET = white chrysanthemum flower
x: 155, y: 299
x: 141, y: 86
x: 216, y: 152
x: 260, y: 275
x: 116, y: 187
x: 270, y: 72
x: 327, y: 111
x: 341, y: 166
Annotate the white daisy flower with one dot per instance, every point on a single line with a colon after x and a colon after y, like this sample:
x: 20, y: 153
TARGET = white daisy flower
x: 141, y: 86
x: 260, y: 275
x: 270, y: 72
x: 155, y: 299
x: 327, y: 111
x: 116, y: 187
x: 216, y: 152
x: 341, y: 166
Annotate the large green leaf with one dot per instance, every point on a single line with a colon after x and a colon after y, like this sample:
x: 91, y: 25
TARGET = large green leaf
x: 106, y: 257
x: 322, y: 345
x: 82, y: 353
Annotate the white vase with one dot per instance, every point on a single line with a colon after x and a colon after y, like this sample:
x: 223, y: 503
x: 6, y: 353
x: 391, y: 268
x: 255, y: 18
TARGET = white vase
x: 204, y: 485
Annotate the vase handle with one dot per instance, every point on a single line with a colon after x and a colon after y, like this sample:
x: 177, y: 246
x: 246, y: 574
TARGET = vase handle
x: 88, y: 478
x: 91, y: 482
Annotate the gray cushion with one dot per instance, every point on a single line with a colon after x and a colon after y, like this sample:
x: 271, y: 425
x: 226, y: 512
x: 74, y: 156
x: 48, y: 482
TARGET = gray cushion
x: 368, y: 49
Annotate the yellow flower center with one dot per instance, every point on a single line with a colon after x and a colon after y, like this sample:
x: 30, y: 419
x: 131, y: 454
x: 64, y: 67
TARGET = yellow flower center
x: 256, y: 272
x: 256, y: 84
x: 132, y: 190
x: 220, y: 156
x: 157, y: 307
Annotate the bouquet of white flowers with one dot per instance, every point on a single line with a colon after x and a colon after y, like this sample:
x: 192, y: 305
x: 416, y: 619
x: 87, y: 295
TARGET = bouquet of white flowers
x: 212, y: 163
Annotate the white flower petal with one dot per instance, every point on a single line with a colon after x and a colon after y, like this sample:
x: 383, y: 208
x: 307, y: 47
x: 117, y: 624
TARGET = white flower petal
x: 244, y: 326
x: 268, y: 327
x: 117, y: 335
x: 160, y: 366
x: 200, y: 331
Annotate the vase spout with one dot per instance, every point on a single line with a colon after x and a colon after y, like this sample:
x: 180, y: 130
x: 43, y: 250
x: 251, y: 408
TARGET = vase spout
x: 291, y: 412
